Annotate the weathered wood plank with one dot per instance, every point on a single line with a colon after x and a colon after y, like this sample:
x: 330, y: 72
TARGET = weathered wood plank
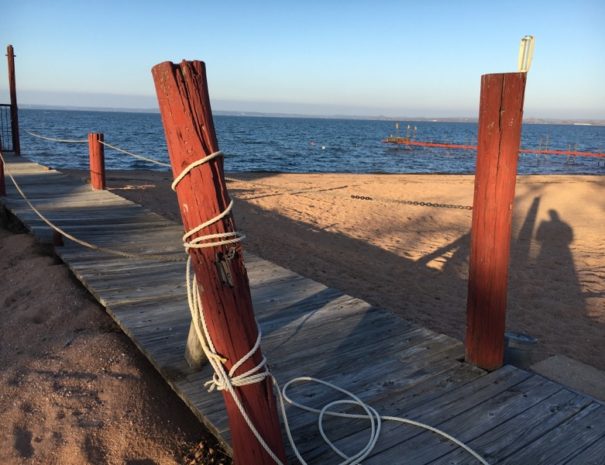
x: 561, y: 443
x: 592, y: 455
x: 424, y: 447
x: 516, y: 433
x: 438, y: 409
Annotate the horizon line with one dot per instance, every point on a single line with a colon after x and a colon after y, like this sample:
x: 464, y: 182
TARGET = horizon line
x: 528, y: 119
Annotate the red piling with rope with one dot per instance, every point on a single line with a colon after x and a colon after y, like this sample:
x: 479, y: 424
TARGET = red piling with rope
x: 202, y: 194
x: 500, y: 118
x: 96, y: 153
x: 12, y: 84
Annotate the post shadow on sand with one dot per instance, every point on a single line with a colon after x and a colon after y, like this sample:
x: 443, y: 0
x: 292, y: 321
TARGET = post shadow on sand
x: 548, y: 279
x: 457, y: 263
x: 411, y: 285
x: 404, y: 273
x: 551, y: 273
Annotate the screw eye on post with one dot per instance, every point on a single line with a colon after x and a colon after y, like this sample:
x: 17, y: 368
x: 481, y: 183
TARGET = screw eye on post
x: 526, y: 53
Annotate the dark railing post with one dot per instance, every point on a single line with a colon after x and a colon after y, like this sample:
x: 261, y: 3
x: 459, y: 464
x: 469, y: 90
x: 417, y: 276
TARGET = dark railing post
x: 2, y: 180
x: 96, y: 152
x: 57, y: 239
x: 12, y: 83
x: 500, y: 118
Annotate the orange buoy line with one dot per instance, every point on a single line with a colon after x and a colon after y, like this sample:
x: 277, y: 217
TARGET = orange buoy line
x: 408, y: 141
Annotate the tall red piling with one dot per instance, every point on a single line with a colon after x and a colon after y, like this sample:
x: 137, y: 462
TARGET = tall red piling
x: 500, y: 118
x: 184, y: 102
x: 96, y: 153
x: 12, y: 84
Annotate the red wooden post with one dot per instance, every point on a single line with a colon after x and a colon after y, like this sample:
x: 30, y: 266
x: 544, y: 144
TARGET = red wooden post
x: 500, y: 118
x: 97, y: 160
x: 57, y: 239
x: 2, y: 180
x: 184, y: 103
x: 12, y: 83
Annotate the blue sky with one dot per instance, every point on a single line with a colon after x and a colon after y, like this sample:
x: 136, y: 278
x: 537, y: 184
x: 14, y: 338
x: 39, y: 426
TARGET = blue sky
x: 391, y: 58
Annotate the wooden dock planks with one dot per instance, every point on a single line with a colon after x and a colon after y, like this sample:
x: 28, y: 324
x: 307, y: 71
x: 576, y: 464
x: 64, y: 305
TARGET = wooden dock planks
x: 510, y: 416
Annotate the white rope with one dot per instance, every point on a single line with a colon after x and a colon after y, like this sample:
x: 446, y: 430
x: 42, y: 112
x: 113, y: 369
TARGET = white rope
x: 193, y: 165
x: 140, y: 157
x: 72, y: 238
x: 83, y: 141
x: 217, y: 239
x: 371, y: 415
x: 53, y: 139
x: 228, y: 381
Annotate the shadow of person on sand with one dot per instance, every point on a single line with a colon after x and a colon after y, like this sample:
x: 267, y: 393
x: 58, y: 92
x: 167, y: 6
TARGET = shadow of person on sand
x: 556, y: 260
x: 547, y: 289
x: 555, y: 233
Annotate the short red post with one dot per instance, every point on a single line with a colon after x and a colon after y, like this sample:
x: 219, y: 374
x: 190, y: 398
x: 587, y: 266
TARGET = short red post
x: 12, y: 84
x: 2, y: 180
x: 97, y: 160
x: 202, y: 194
x: 500, y: 118
x: 57, y: 239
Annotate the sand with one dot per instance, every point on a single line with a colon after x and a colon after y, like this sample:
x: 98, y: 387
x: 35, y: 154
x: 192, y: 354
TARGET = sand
x: 413, y: 259
x: 73, y: 389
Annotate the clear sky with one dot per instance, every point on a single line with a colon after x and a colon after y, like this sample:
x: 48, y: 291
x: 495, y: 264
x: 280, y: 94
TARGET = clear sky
x: 375, y: 57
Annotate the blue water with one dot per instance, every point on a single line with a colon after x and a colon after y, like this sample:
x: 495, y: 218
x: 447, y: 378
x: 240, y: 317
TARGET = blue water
x: 301, y: 145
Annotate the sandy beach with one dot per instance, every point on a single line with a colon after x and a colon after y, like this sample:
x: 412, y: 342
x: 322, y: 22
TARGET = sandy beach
x: 382, y: 239
x: 74, y: 389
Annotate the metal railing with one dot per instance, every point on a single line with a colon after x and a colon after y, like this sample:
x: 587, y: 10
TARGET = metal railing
x: 6, y: 130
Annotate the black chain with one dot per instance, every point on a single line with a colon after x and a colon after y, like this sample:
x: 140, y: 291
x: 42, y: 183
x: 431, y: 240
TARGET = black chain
x: 415, y: 203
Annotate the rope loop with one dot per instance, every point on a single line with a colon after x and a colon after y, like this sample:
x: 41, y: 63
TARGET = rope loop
x: 207, y: 240
x: 193, y: 165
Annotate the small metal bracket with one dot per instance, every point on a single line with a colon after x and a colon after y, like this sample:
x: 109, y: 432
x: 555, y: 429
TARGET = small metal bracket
x: 223, y: 266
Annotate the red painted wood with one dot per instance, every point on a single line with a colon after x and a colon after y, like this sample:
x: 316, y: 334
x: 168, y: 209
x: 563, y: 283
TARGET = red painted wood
x: 96, y: 154
x: 184, y: 102
x: 57, y: 239
x: 500, y: 117
x: 12, y: 84
x: 2, y: 180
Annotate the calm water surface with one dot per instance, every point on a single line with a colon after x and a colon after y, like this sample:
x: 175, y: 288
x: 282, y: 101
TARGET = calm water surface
x: 301, y: 145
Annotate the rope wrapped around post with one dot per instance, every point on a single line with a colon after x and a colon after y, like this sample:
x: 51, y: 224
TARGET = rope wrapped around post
x: 213, y: 244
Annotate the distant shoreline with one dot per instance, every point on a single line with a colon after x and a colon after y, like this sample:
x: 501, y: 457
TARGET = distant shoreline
x: 531, y: 120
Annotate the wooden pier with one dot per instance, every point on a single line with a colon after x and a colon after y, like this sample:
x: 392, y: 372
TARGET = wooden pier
x: 509, y: 416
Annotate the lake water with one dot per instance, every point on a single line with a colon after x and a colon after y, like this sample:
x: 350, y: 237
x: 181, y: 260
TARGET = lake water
x: 301, y: 145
